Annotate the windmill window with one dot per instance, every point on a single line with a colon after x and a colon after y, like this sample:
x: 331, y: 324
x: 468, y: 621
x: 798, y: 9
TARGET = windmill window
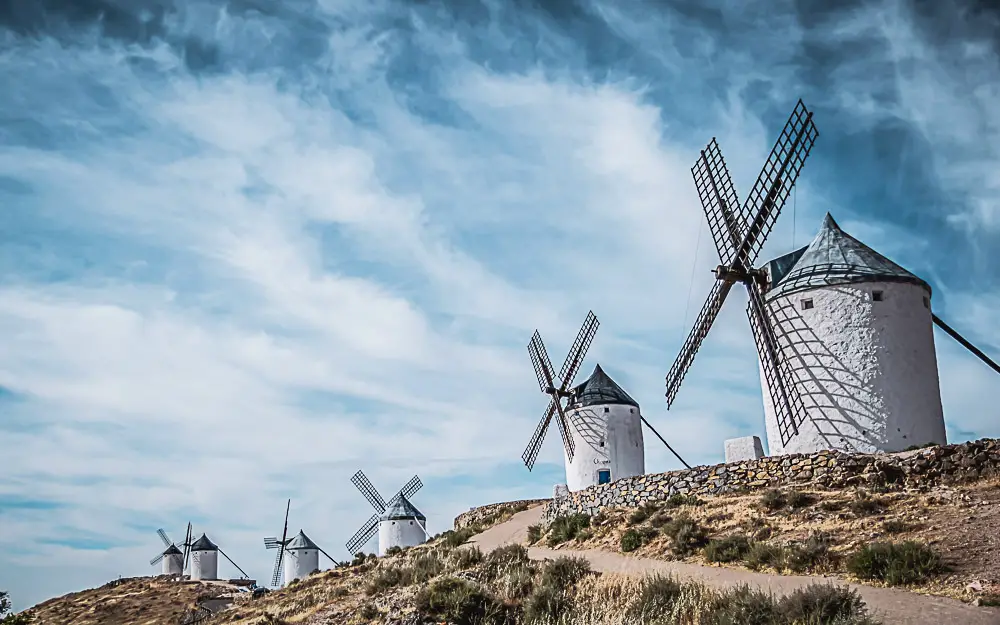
x: 807, y: 304
x: 601, y: 443
x: 631, y: 410
x: 877, y: 296
x: 606, y: 409
x: 927, y: 303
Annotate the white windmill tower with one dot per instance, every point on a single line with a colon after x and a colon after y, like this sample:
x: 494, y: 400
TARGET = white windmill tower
x: 844, y: 335
x: 174, y: 560
x: 205, y: 560
x: 300, y: 551
x: 398, y: 523
x: 600, y: 425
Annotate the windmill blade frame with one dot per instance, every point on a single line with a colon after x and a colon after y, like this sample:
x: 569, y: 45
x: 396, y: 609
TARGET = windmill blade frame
x: 363, y: 484
x: 788, y: 407
x: 163, y: 536
x: 363, y: 535
x: 541, y: 362
x: 187, y: 546
x: 718, y: 199
x: 703, y: 323
x: 156, y: 560
x: 409, y: 489
x: 279, y: 559
x: 535, y: 444
x: 576, y: 354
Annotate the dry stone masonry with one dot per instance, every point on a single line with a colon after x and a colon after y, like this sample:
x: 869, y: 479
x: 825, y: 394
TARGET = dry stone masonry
x: 826, y: 469
x: 477, y: 515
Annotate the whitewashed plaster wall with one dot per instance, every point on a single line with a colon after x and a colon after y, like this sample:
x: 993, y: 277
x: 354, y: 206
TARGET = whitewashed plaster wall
x: 204, y: 565
x: 300, y: 563
x: 619, y: 428
x: 399, y: 533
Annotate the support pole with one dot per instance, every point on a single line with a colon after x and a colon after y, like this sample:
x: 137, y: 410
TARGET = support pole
x: 967, y: 345
x: 664, y: 441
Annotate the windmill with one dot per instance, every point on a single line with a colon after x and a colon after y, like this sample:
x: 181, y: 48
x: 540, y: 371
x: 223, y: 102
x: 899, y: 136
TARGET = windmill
x: 398, y: 522
x: 205, y: 560
x: 174, y: 560
x: 843, y: 334
x: 600, y: 424
x: 739, y: 232
x: 300, y: 549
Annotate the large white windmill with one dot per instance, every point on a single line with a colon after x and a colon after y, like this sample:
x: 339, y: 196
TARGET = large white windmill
x: 205, y: 560
x: 398, y: 522
x: 600, y: 424
x: 844, y: 335
x: 300, y: 551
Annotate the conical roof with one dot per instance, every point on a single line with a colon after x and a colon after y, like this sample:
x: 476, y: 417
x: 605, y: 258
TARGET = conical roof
x: 301, y: 541
x: 172, y: 550
x: 204, y: 544
x: 401, y: 508
x: 833, y: 257
x: 599, y: 389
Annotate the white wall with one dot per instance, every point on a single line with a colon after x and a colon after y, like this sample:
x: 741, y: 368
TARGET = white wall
x: 866, y: 370
x: 204, y: 565
x: 300, y: 563
x: 173, y: 564
x: 399, y: 533
x: 620, y: 429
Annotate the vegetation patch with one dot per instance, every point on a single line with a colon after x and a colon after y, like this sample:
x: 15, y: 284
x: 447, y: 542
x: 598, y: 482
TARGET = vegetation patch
x: 733, y: 548
x: 895, y: 564
x: 457, y: 600
x: 565, y: 528
x: 686, y: 535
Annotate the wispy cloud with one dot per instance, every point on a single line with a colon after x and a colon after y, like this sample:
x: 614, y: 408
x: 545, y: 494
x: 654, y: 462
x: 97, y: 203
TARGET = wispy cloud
x: 252, y: 247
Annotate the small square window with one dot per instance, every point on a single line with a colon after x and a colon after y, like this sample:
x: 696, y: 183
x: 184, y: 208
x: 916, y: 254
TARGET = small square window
x: 606, y: 409
x: 927, y: 303
x: 876, y: 296
x: 807, y: 304
x: 631, y: 410
x: 601, y: 444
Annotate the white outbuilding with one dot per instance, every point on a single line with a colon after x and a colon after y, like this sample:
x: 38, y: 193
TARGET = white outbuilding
x: 303, y: 558
x: 204, y: 559
x: 401, y: 525
x: 173, y: 561
x: 857, y: 333
x: 605, y: 424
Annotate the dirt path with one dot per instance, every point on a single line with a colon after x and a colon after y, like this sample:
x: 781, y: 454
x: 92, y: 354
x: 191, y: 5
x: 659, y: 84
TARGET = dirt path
x: 895, y: 607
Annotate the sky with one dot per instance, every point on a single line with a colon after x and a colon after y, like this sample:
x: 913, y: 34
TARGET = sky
x: 250, y: 247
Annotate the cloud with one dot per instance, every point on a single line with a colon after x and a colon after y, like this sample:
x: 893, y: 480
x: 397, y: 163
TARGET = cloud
x: 254, y: 248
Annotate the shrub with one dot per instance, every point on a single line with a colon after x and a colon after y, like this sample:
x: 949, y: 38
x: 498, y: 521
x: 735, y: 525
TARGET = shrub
x: 564, y: 572
x: 773, y: 500
x: 864, y: 505
x: 394, y: 550
x: 822, y: 603
x: 813, y: 553
x: 514, y: 583
x: 660, y: 519
x: 599, y: 519
x: 565, y: 528
x: 457, y: 600
x: 796, y: 499
x: 506, y: 557
x: 679, y: 499
x: 729, y: 549
x: 831, y: 506
x: 468, y: 557
x: 895, y: 527
x: 743, y: 605
x: 630, y: 541
x: 368, y: 612
x: 424, y: 567
x: 546, y: 604
x: 584, y: 535
x: 534, y: 534
x: 657, y: 595
x: 686, y: 535
x: 457, y: 538
x: 895, y: 563
x: 765, y: 555
x: 637, y: 516
x: 385, y: 578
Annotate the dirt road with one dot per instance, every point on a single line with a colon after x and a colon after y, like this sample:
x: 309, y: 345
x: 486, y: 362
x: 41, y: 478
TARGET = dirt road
x: 895, y: 607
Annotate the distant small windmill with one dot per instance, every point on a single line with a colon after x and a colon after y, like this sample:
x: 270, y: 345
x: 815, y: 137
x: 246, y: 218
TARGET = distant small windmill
x: 303, y: 553
x: 174, y: 560
x: 597, y: 413
x: 398, y: 522
x: 205, y: 560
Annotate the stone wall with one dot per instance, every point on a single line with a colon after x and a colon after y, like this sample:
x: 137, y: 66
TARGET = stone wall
x: 825, y: 469
x: 476, y: 515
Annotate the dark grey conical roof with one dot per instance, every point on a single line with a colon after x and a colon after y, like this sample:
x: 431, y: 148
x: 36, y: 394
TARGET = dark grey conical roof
x: 204, y: 544
x: 600, y: 389
x: 833, y: 257
x: 172, y: 550
x: 301, y: 541
x: 400, y: 508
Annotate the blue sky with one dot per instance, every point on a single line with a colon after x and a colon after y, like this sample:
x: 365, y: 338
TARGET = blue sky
x: 251, y: 247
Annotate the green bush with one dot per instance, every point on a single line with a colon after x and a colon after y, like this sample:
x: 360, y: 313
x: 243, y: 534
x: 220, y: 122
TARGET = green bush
x: 895, y: 563
x: 831, y: 506
x: 394, y: 550
x: 423, y: 567
x: 686, y: 535
x: 457, y: 538
x: 631, y: 540
x: 679, y: 499
x: 812, y: 554
x: 565, y: 528
x: 564, y: 572
x: 864, y: 505
x: 458, y: 601
x: 744, y: 605
x: 637, y: 517
x: 385, y: 578
x: 895, y: 527
x: 773, y: 500
x: 657, y: 595
x: 534, y: 534
x: 546, y: 605
x: 729, y: 549
x: 765, y: 555
x: 467, y: 557
x: 506, y: 557
x: 796, y: 499
x: 660, y: 519
x: 368, y: 612
x: 822, y: 603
